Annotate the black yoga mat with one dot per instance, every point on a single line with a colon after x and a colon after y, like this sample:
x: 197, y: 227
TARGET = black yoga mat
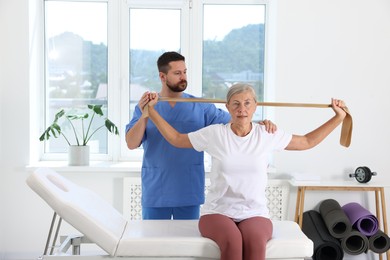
x: 354, y: 243
x: 335, y: 218
x: 326, y: 247
x: 379, y: 242
x: 361, y: 219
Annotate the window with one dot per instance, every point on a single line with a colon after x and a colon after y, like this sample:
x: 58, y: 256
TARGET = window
x: 105, y: 52
x: 233, y: 48
x: 75, y: 67
x: 147, y: 40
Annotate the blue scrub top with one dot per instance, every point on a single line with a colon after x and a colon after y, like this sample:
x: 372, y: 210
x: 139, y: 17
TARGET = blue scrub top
x: 174, y: 177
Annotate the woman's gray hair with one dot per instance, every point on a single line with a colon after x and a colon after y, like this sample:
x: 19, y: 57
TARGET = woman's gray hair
x: 239, y: 88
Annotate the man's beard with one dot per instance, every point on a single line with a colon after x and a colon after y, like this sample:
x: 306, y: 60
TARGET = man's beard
x: 179, y: 87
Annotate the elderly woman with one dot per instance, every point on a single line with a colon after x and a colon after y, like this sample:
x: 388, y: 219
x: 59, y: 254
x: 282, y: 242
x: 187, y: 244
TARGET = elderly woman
x: 235, y: 214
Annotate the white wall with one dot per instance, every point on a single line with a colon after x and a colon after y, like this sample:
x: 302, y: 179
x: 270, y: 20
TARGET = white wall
x: 15, y: 207
x: 1, y: 162
x: 2, y: 194
x: 324, y: 49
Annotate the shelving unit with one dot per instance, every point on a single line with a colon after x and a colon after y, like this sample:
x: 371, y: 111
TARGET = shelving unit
x: 380, y: 204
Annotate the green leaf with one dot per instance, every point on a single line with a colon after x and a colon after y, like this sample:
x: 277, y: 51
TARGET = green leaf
x: 111, y: 127
x: 43, y: 136
x: 58, y: 115
x: 77, y: 117
x: 97, y: 109
x: 54, y: 129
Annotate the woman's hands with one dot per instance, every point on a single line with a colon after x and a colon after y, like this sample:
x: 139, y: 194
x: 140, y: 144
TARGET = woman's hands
x: 339, y: 107
x: 153, y: 98
x: 148, y: 99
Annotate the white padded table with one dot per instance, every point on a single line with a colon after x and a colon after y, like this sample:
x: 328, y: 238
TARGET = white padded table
x: 182, y: 238
x: 102, y: 224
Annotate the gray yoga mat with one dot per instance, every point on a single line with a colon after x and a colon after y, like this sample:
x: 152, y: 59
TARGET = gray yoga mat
x: 354, y: 243
x: 361, y: 219
x: 326, y: 247
x: 335, y: 219
x: 379, y: 242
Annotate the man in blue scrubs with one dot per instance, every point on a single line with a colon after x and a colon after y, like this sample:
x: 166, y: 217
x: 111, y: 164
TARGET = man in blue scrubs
x: 173, y: 179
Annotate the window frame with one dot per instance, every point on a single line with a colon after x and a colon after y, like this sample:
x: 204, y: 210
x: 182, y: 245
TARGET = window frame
x: 109, y: 156
x: 118, y: 65
x: 136, y: 154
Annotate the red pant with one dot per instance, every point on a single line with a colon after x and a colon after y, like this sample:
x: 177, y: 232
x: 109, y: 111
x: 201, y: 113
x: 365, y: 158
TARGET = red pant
x: 237, y: 240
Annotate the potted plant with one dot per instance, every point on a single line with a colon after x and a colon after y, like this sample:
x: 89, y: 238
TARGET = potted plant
x: 78, y: 152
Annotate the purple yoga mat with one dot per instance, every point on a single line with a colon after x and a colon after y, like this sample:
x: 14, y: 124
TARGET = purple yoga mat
x: 361, y: 219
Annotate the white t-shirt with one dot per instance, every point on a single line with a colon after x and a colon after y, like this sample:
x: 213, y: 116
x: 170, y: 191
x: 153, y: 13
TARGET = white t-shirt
x: 239, y: 168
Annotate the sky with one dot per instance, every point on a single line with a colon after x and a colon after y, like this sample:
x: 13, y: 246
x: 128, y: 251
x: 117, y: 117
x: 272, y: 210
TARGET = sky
x: 90, y: 22
x: 82, y: 18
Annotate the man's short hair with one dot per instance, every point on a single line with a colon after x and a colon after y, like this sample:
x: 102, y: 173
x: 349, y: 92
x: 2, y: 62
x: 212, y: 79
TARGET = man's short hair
x: 167, y: 57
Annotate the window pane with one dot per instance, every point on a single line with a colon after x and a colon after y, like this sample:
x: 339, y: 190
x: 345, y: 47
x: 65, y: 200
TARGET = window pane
x: 233, y: 49
x: 76, y: 68
x: 148, y: 40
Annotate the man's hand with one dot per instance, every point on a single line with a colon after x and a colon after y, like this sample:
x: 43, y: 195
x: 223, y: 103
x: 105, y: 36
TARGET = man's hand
x: 269, y: 126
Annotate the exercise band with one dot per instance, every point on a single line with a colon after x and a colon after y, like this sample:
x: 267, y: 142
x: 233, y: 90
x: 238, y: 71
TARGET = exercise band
x: 346, y: 128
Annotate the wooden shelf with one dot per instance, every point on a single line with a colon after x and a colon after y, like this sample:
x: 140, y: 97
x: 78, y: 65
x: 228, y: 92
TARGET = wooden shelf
x: 380, y: 204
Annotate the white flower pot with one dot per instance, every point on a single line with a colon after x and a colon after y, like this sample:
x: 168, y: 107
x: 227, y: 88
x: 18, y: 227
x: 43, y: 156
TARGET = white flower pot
x: 78, y: 155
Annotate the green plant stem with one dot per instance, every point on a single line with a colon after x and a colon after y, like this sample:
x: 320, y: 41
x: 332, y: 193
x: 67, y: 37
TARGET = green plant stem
x: 85, y: 137
x: 82, y: 131
x: 66, y: 139
x: 86, y: 141
x: 74, y: 131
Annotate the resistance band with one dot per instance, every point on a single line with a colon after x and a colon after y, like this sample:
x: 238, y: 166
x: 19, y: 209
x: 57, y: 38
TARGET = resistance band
x: 346, y: 128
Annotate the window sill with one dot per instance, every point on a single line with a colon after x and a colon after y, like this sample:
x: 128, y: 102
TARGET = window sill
x: 94, y: 166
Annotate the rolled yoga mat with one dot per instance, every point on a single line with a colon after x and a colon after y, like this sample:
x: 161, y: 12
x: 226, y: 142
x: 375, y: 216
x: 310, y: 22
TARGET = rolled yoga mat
x: 326, y: 247
x: 354, y: 243
x: 335, y: 218
x: 379, y: 242
x: 361, y: 219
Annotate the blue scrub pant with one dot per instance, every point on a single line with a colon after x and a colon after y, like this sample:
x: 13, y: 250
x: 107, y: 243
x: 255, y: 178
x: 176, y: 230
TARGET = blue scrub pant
x: 188, y: 212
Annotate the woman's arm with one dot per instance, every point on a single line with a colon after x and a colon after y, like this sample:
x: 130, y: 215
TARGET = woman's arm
x: 316, y: 136
x: 170, y: 134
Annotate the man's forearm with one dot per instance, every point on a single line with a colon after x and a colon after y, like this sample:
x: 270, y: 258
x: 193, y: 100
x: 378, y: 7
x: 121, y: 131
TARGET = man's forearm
x: 135, y: 134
